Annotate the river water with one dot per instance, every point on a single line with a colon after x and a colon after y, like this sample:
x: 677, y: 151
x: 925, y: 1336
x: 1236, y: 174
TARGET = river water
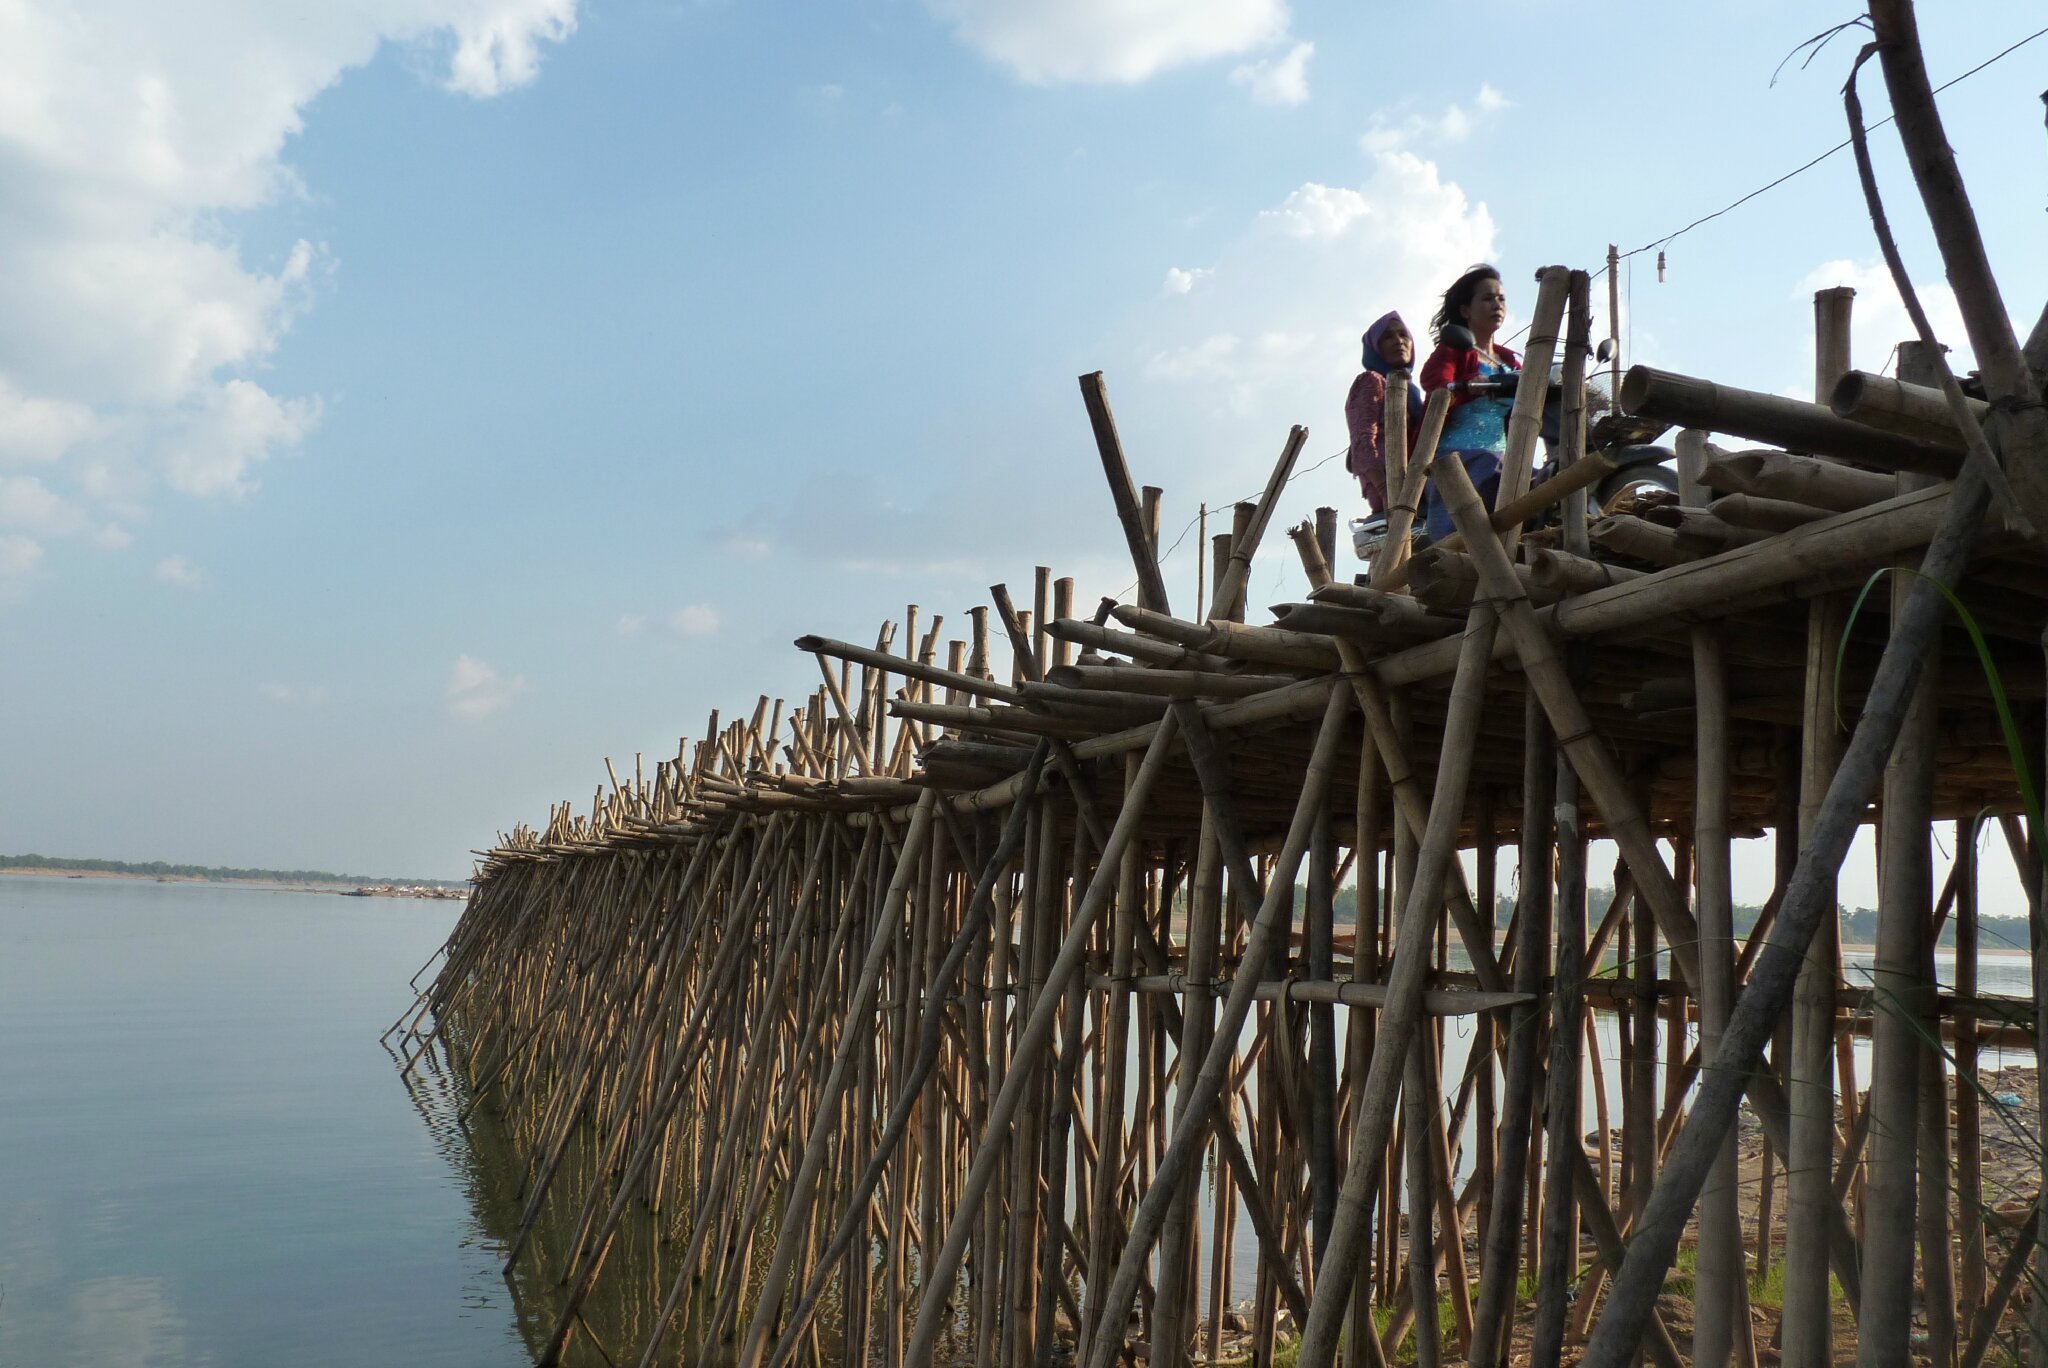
x: 208, y: 1161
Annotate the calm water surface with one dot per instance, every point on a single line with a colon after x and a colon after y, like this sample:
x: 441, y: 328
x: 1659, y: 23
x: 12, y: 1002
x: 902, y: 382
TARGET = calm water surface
x: 207, y: 1159
x: 205, y: 1156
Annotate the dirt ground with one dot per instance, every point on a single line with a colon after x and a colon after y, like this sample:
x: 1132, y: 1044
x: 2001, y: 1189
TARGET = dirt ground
x: 2009, y: 1107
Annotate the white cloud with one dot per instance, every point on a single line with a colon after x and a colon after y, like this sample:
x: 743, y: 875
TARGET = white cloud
x: 1279, y: 80
x: 1120, y: 41
x: 1180, y: 282
x: 476, y: 690
x: 180, y: 573
x: 1271, y: 339
x: 134, y: 328
x: 747, y: 545
x: 1385, y: 133
x: 497, y: 47
x: 1273, y: 335
x: 307, y: 695
x: 26, y: 502
x: 233, y: 427
x: 37, y: 430
x: 1318, y: 211
x: 20, y: 558
x: 629, y: 624
x: 112, y: 537
x: 697, y: 619
x: 1211, y: 358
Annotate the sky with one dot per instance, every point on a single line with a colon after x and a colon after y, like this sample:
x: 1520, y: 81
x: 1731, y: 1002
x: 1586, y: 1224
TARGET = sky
x: 407, y: 404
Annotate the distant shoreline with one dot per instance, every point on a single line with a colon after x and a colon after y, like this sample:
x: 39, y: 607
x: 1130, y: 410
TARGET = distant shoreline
x: 346, y: 888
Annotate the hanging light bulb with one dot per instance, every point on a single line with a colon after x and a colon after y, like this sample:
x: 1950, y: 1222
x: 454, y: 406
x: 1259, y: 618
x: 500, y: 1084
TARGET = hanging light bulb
x: 1660, y: 266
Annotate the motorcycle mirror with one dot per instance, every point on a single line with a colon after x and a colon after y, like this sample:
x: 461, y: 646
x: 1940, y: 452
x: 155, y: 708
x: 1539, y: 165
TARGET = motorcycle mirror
x: 1605, y: 352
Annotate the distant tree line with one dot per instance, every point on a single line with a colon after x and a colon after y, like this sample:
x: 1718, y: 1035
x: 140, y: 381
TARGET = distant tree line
x: 1859, y: 924
x: 158, y: 869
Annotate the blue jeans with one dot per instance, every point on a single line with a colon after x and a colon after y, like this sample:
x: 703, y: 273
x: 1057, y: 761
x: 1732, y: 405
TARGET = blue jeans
x: 1484, y: 469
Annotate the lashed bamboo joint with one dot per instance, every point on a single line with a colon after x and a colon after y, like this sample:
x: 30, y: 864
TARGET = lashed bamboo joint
x: 1154, y: 1000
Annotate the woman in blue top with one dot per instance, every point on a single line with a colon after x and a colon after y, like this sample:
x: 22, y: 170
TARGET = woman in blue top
x: 1476, y: 429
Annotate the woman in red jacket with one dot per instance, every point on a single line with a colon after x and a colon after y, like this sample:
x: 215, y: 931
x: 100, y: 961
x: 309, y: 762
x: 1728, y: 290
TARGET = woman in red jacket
x: 1476, y: 429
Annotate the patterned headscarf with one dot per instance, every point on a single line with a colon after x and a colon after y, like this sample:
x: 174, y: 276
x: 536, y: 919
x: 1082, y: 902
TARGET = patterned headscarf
x: 1373, y: 360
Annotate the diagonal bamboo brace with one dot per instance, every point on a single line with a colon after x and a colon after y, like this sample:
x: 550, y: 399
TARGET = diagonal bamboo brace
x: 1397, y: 1023
x: 1031, y: 1048
x: 1605, y: 784
x: 1275, y: 913
x: 1474, y: 928
x: 974, y: 928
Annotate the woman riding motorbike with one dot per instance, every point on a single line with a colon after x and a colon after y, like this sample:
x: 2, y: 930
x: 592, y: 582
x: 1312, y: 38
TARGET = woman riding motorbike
x: 1476, y: 429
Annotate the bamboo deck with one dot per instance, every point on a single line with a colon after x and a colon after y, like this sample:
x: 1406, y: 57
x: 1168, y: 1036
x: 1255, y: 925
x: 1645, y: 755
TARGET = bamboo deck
x: 970, y: 1013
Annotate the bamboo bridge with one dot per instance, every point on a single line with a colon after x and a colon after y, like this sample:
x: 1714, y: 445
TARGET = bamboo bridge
x: 1029, y: 1007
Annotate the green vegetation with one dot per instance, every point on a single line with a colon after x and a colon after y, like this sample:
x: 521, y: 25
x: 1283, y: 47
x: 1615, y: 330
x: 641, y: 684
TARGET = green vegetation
x: 1769, y: 1290
x: 158, y: 869
x: 1859, y: 924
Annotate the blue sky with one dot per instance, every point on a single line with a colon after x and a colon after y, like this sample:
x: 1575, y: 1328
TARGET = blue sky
x: 407, y: 405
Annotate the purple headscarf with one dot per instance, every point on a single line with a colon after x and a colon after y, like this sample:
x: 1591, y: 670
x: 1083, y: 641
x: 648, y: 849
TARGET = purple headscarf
x: 1373, y: 360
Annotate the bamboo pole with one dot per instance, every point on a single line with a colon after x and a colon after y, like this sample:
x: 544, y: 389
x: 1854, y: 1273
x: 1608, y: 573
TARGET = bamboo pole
x: 1204, y: 948
x: 1525, y: 419
x: 1896, y: 405
x: 1803, y: 480
x: 2008, y: 380
x: 1404, y: 502
x: 1647, y: 392
x: 1561, y: 1103
x: 1906, y: 871
x: 1144, y: 553
x: 1970, y: 1273
x: 1847, y: 543
x: 1322, y: 1025
x: 1422, y: 1247
x: 1573, y: 459
x: 1808, y: 1326
x: 1151, y: 1215
x: 1720, y: 1305
x: 1396, y: 1029
x: 1500, y: 1267
x: 1037, y: 1032
x: 1367, y: 840
x: 1245, y: 541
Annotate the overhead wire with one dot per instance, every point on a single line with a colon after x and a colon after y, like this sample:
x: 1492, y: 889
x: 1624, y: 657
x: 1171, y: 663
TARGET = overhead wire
x: 1163, y: 556
x: 1838, y: 147
x: 1803, y: 167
